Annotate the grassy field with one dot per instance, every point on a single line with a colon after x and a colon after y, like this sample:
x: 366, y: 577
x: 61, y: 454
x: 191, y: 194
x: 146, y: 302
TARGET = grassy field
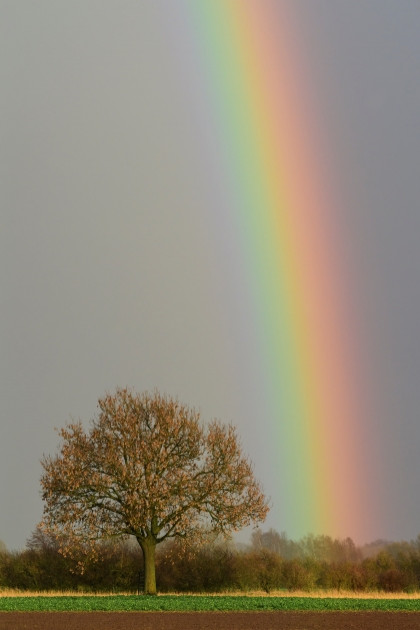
x: 316, y: 593
x: 239, y: 602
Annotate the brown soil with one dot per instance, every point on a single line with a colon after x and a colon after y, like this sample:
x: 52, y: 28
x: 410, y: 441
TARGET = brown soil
x: 210, y: 621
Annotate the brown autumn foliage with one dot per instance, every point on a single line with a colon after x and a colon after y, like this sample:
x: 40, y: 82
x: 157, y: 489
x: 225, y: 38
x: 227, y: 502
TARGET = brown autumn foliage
x: 146, y: 468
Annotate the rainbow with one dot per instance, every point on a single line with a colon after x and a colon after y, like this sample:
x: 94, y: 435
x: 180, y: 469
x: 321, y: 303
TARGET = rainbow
x: 278, y: 176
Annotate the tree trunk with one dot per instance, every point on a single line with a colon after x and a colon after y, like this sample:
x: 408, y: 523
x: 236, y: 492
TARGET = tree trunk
x: 148, y: 547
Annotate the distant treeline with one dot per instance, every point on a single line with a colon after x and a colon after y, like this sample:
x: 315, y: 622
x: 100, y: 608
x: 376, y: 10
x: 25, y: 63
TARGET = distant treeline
x: 270, y: 562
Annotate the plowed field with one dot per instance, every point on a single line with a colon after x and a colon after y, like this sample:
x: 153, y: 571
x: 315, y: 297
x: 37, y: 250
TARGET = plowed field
x: 210, y: 621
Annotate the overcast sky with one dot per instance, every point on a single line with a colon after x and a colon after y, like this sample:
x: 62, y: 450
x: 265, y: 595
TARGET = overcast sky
x: 108, y: 276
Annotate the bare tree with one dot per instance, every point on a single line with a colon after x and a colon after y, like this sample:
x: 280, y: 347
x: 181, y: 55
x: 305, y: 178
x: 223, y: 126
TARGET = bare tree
x: 148, y: 469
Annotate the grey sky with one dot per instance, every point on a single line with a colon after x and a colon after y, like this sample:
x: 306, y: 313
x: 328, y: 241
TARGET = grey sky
x: 108, y: 276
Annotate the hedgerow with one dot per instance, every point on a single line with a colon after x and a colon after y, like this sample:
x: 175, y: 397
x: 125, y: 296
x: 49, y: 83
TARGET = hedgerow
x: 270, y: 563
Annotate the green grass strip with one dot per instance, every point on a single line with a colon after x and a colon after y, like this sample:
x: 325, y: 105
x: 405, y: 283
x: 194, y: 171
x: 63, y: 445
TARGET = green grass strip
x: 171, y: 603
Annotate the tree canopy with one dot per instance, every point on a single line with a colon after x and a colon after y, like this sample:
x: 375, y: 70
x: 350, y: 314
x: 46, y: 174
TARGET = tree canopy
x: 147, y: 468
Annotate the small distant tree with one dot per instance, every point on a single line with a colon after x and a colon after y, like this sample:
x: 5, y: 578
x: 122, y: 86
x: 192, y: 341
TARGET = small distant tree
x: 148, y: 469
